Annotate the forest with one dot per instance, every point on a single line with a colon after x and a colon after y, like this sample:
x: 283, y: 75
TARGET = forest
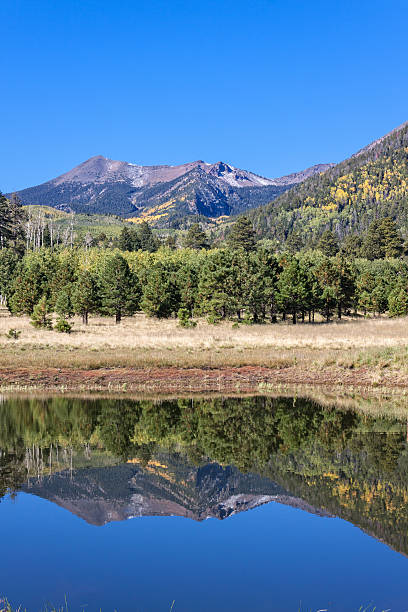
x: 243, y: 279
x: 350, y: 464
x: 346, y: 199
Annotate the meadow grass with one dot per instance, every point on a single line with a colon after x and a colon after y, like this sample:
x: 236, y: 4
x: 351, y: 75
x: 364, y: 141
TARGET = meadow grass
x: 140, y: 341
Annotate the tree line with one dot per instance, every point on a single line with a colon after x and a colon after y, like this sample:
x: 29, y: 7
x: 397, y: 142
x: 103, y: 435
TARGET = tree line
x: 243, y: 280
x: 219, y: 284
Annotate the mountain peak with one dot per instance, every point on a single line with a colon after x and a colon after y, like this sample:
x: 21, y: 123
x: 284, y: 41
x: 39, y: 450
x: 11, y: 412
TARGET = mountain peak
x: 103, y: 185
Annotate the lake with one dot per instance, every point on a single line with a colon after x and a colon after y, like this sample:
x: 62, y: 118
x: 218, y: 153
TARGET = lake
x: 229, y: 504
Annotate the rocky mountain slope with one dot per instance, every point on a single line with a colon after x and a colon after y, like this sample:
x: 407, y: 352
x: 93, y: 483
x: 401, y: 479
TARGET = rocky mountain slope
x: 167, y: 486
x: 371, y: 184
x: 163, y: 195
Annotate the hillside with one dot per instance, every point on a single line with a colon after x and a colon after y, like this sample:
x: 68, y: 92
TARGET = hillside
x: 163, y: 195
x: 371, y: 184
x: 82, y: 224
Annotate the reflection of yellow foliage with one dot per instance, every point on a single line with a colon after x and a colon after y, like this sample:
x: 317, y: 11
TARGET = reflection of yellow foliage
x: 151, y: 463
x: 331, y: 475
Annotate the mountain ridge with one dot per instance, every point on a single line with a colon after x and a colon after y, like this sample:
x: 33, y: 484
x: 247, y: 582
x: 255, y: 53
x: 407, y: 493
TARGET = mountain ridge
x: 370, y: 184
x: 161, y: 194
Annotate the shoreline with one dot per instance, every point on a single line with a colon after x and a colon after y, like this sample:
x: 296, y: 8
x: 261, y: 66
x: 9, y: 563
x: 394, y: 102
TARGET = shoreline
x: 163, y: 381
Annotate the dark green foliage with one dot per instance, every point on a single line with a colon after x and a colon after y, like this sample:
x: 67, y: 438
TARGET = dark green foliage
x: 242, y: 235
x: 292, y: 288
x: 63, y: 305
x: 196, y: 238
x: 184, y: 318
x: 85, y: 297
x: 382, y: 240
x: 12, y: 217
x: 8, y: 265
x: 14, y: 334
x: 148, y: 241
x: 398, y: 300
x: 328, y: 244
x: 250, y: 287
x: 220, y: 289
x: 129, y: 239
x: 33, y: 279
x: 346, y: 198
x: 63, y: 326
x: 161, y: 295
x: 351, y: 246
x: 119, y: 288
x: 41, y: 315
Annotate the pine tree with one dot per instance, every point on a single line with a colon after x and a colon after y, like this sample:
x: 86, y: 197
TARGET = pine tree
x: 242, y: 235
x: 328, y: 244
x: 398, y: 301
x: 41, y: 315
x: 63, y: 306
x: 351, y: 247
x: 382, y: 240
x: 292, y: 286
x: 129, y: 239
x: 161, y: 296
x: 12, y: 217
x: 119, y: 288
x: 372, y: 247
x: 147, y: 240
x: 196, y: 238
x: 220, y: 286
x: 85, y: 296
x: 391, y: 238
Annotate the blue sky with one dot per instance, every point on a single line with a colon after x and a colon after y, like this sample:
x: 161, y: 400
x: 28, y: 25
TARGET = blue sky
x: 270, y: 86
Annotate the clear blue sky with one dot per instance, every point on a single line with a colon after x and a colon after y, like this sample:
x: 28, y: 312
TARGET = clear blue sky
x: 270, y: 86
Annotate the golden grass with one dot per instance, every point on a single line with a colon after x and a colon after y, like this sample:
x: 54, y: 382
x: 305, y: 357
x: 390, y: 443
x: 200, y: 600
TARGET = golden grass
x: 142, y: 342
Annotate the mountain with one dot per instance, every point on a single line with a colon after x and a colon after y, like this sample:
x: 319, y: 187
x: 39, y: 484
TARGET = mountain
x: 162, y: 195
x: 167, y: 486
x: 371, y: 184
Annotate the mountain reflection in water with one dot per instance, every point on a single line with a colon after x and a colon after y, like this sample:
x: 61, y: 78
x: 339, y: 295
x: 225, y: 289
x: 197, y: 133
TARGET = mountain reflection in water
x: 110, y: 460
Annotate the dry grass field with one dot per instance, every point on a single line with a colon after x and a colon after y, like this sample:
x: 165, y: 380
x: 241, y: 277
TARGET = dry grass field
x: 140, y: 342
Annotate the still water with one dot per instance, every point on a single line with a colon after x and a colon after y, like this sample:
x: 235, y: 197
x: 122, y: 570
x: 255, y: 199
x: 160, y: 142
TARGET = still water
x: 222, y: 504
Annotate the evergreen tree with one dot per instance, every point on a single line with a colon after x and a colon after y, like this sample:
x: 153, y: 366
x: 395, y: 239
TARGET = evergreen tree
x: 8, y: 265
x: 119, y: 288
x: 147, y: 240
x: 85, y: 297
x: 391, y: 238
x: 12, y: 217
x: 219, y: 287
x: 292, y: 288
x: 242, y: 235
x: 161, y: 296
x: 46, y: 239
x: 382, y: 240
x: 260, y: 285
x: 398, y: 301
x: 328, y: 244
x: 63, y: 306
x: 171, y: 242
x: 64, y: 310
x: 129, y: 239
x: 196, y: 238
x: 187, y: 282
x: 351, y: 246
x: 40, y: 317
x: 294, y: 243
x: 32, y: 281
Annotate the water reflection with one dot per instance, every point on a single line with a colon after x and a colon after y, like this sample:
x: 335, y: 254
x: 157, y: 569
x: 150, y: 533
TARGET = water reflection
x: 109, y: 460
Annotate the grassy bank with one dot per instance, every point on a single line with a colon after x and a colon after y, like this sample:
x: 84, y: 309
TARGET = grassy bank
x: 359, y: 352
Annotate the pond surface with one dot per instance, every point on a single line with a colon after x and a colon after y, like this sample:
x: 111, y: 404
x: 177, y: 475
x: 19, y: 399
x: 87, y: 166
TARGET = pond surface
x: 222, y: 504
